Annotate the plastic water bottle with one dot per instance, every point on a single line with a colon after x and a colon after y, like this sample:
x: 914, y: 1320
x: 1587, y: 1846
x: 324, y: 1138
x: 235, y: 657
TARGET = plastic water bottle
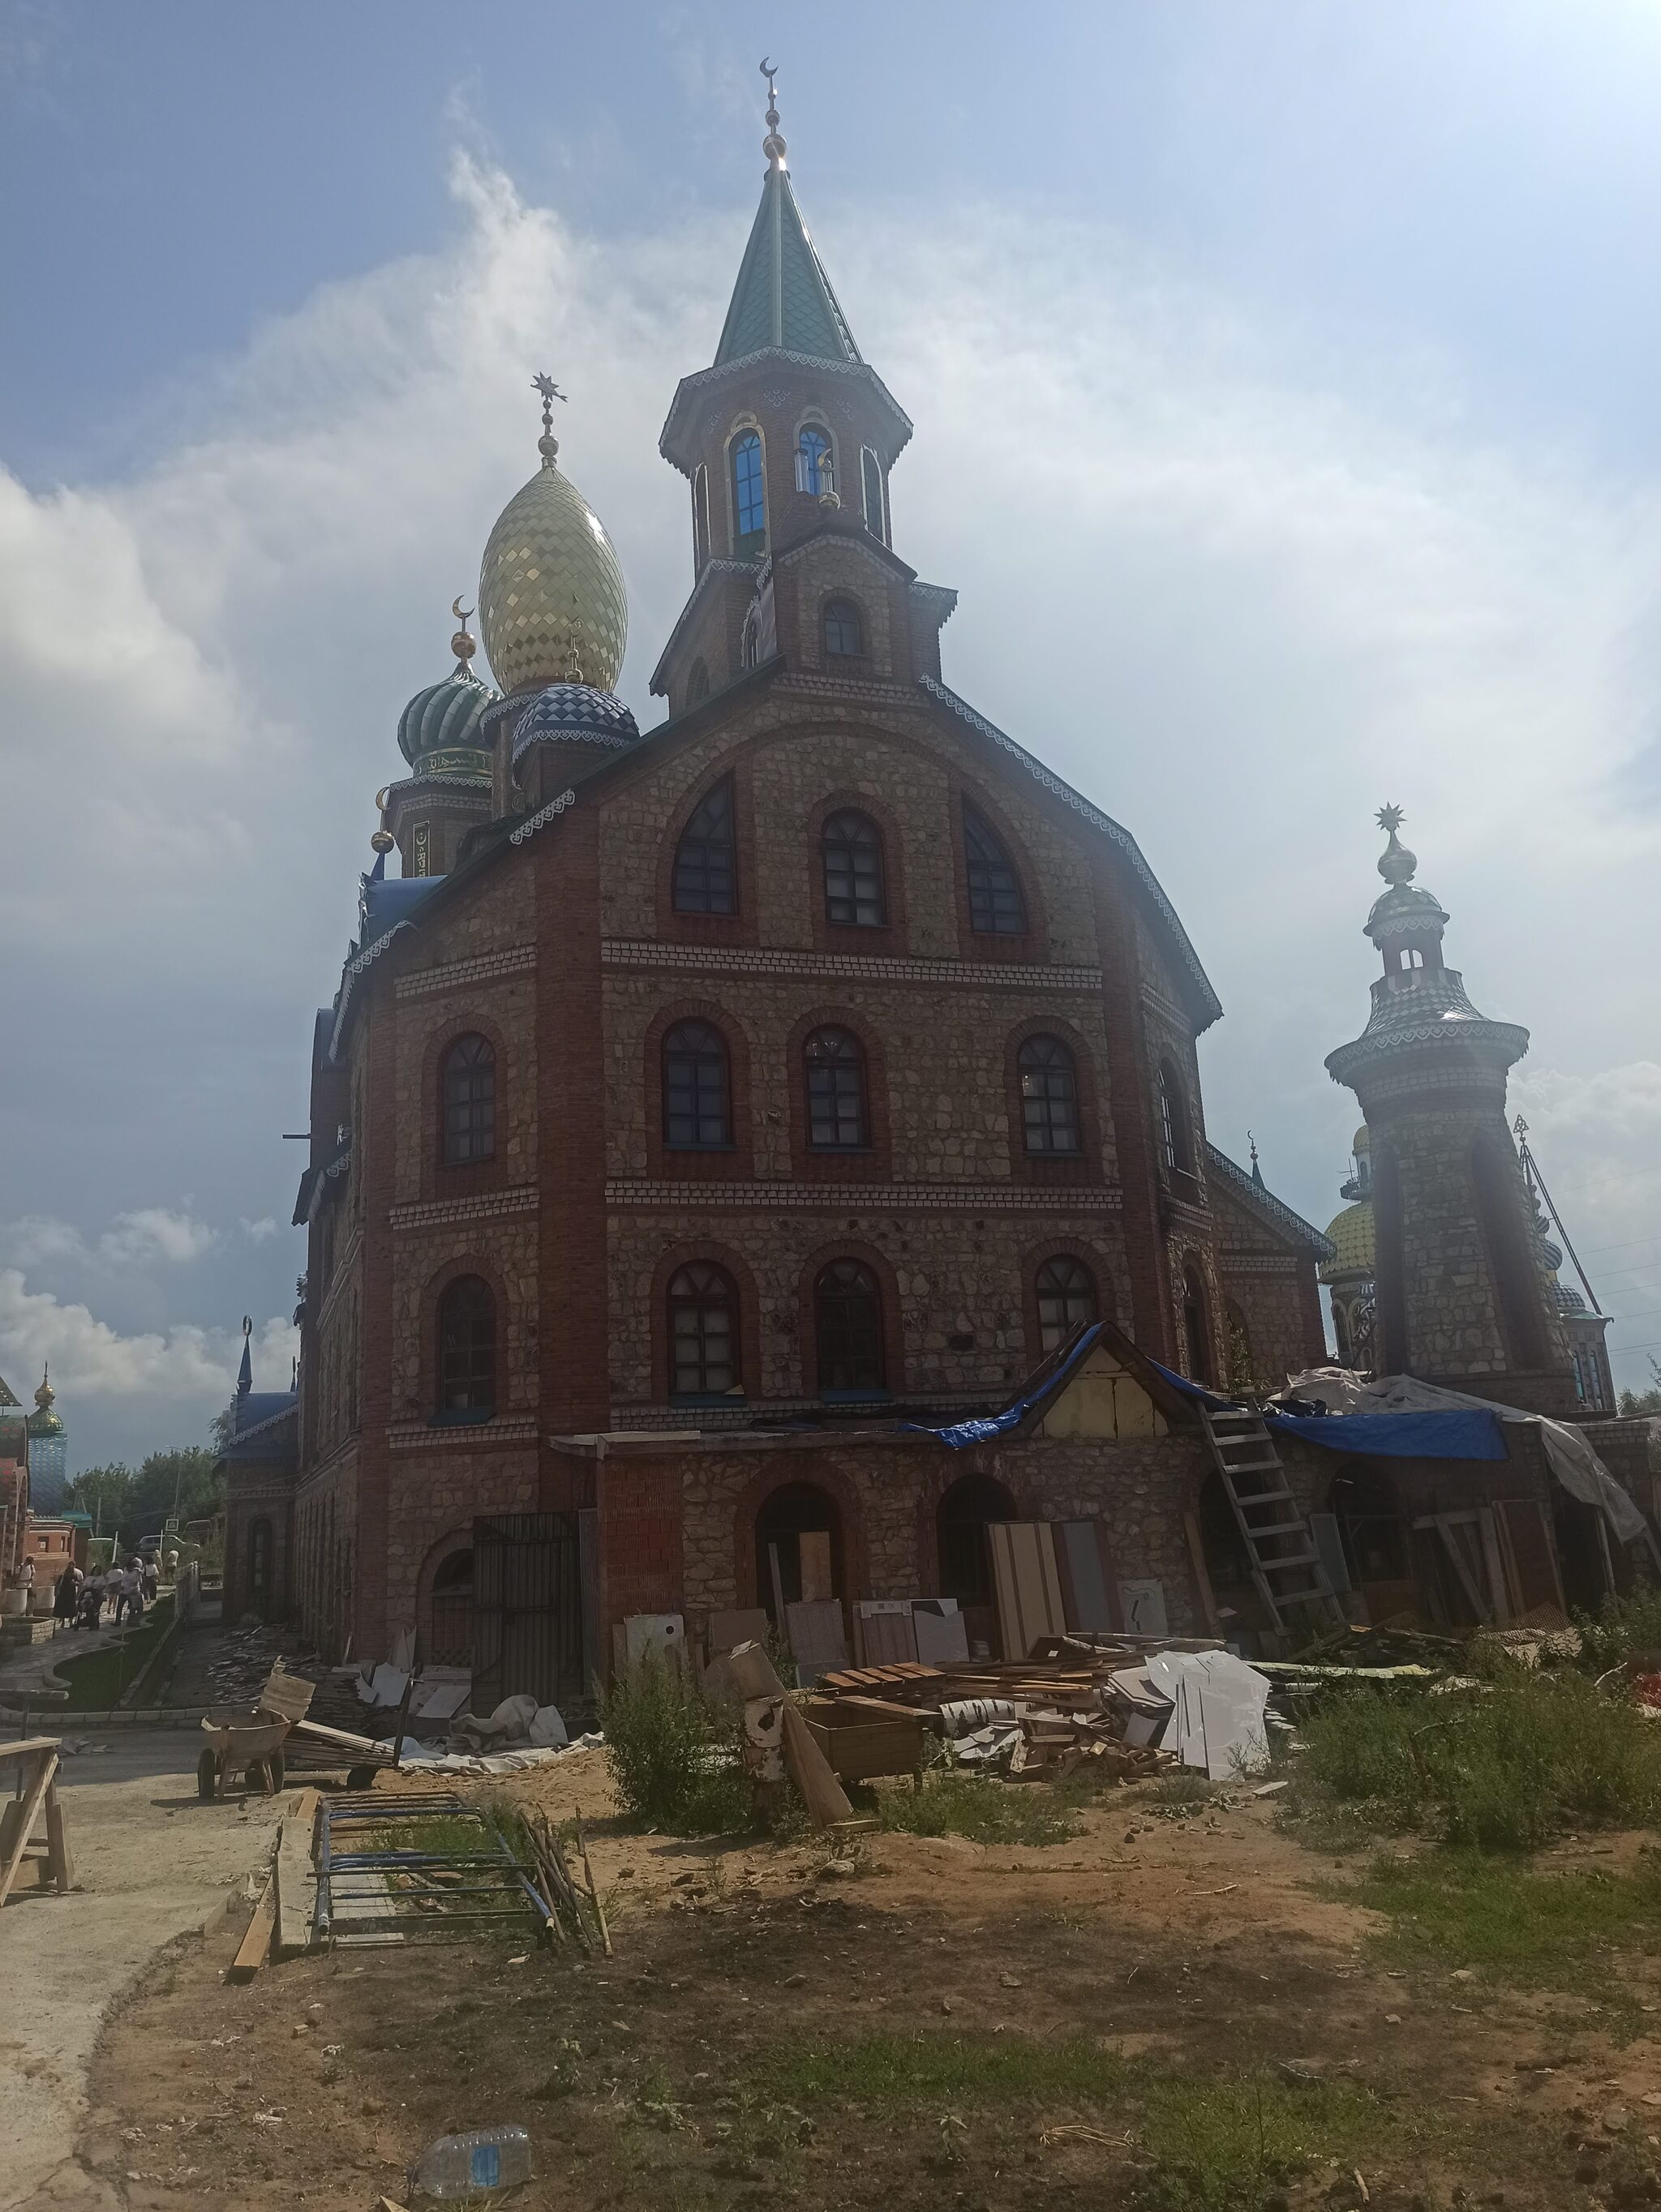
x: 459, y: 2166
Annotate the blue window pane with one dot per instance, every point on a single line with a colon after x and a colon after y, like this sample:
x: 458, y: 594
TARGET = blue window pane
x: 812, y: 460
x: 749, y: 499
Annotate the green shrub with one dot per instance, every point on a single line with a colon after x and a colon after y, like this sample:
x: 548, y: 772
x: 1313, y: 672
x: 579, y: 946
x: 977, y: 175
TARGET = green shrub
x: 1504, y: 1768
x: 1625, y: 1626
x: 977, y: 1807
x: 672, y: 1751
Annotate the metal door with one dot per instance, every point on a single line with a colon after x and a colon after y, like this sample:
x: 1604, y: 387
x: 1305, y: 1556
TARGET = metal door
x: 527, y: 1609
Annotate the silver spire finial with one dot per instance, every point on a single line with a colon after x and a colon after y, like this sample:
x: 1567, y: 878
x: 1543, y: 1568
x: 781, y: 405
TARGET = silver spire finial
x: 772, y: 145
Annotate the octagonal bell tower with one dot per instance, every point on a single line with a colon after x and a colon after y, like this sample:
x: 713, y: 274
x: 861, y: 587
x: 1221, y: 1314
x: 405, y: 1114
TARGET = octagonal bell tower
x: 1462, y: 1297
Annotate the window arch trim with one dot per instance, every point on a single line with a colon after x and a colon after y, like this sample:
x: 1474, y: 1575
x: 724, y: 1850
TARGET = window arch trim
x: 844, y: 631
x: 890, y: 1318
x: 466, y: 1366
x: 737, y: 928
x: 706, y: 1252
x: 467, y: 1100
x: 1084, y: 1165
x: 980, y: 944
x: 889, y: 936
x: 872, y: 1163
x: 810, y: 480
x: 747, y: 492
x: 439, y: 1177
x: 716, y: 1162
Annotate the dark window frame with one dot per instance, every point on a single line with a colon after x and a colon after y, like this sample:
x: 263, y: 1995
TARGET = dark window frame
x: 465, y: 1333
x: 816, y: 471
x: 854, y: 871
x: 836, y: 1083
x: 467, y: 1100
x: 849, y: 1343
x: 698, y: 1292
x: 694, y: 1099
x: 1048, y: 1076
x: 996, y: 894
x: 842, y: 628
x: 746, y: 472
x: 704, y: 876
x: 1070, y: 1298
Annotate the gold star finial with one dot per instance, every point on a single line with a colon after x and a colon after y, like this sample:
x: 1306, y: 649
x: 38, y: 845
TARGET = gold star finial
x: 547, y: 444
x: 1390, y: 817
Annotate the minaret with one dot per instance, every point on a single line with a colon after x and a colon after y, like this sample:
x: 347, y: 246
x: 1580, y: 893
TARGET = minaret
x: 48, y: 1445
x: 428, y: 813
x: 1462, y: 1297
x: 787, y: 440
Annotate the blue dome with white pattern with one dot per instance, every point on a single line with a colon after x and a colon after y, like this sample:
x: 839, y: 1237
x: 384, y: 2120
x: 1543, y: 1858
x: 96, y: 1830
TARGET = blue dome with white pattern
x: 572, y: 712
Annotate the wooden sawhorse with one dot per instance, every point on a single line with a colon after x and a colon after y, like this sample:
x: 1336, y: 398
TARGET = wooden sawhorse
x: 34, y: 1762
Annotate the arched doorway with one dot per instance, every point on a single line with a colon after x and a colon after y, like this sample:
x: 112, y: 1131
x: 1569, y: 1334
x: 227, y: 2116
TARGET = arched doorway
x: 963, y: 1555
x: 450, y: 1612
x: 798, y: 1550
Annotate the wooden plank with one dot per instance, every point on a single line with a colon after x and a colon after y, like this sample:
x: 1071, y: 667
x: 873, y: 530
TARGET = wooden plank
x: 1495, y: 1563
x: 884, y: 1632
x: 296, y: 1882
x: 818, y: 1637
x: 730, y: 1627
x: 824, y: 1796
x: 28, y: 1747
x: 1028, y: 1586
x: 813, y: 1556
x: 33, y: 1798
x: 1083, y: 1571
x: 1201, y: 1573
x: 342, y: 1739
x: 60, y: 1857
x: 1445, y: 1525
x: 250, y: 1953
x: 940, y: 1636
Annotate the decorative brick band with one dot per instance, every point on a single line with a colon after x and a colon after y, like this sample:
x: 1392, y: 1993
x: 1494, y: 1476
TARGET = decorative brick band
x: 866, y: 967
x: 515, y: 960
x: 488, y: 1205
x: 1239, y: 1263
x: 646, y: 1420
x: 466, y: 1435
x: 880, y: 1197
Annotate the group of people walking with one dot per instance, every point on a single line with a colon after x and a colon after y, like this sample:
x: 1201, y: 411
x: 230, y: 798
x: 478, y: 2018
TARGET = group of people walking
x: 79, y: 1600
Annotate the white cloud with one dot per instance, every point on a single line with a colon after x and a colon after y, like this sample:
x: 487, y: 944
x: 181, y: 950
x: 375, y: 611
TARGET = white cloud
x: 1238, y: 588
x: 148, y: 1234
x: 257, y: 1232
x: 185, y: 1373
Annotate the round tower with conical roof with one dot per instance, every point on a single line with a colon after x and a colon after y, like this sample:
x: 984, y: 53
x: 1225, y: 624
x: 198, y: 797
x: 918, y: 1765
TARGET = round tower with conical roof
x: 448, y: 790
x: 48, y: 1447
x: 1462, y: 1298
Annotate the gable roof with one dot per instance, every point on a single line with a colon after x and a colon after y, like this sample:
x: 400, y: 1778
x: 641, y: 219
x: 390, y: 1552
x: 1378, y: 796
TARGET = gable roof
x: 1209, y: 1006
x: 1273, y: 1212
x: 783, y: 296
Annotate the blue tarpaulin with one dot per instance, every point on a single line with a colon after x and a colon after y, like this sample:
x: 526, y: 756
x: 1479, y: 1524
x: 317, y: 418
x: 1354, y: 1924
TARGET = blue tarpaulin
x: 1462, y: 1432
x: 985, y: 1426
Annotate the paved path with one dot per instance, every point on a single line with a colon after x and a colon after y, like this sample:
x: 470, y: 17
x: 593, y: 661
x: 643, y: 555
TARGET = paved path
x: 153, y: 1861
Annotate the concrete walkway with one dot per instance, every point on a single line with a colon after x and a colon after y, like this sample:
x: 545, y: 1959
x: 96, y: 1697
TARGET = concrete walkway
x: 153, y: 1861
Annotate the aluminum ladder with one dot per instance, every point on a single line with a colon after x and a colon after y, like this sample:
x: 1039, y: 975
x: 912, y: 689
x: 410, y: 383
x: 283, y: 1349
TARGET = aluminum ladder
x: 1285, y: 1566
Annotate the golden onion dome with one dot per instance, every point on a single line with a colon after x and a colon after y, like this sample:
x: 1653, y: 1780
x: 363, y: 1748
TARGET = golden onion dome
x: 1351, y: 1233
x: 551, y: 598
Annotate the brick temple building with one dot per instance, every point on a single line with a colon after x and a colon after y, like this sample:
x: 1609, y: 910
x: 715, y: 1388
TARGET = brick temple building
x: 716, y: 1127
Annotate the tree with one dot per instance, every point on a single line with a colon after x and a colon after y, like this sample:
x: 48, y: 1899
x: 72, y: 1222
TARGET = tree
x: 1644, y: 1401
x: 105, y: 1492
x: 223, y: 1427
x: 179, y: 1481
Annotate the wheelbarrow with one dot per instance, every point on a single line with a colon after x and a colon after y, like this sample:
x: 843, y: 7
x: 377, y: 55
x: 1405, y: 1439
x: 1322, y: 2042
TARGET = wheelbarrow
x: 252, y: 1741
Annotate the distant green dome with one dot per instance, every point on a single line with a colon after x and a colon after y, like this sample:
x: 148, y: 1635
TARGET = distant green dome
x: 42, y: 1421
x: 444, y: 720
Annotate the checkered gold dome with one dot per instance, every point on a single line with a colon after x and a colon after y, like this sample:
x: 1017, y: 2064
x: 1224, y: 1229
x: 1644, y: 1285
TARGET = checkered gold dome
x: 552, y: 599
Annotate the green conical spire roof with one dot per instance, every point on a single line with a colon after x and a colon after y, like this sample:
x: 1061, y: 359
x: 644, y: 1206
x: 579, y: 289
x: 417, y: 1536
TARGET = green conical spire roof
x: 783, y: 297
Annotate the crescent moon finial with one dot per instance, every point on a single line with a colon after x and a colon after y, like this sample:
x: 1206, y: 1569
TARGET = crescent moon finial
x: 462, y: 614
x: 381, y: 798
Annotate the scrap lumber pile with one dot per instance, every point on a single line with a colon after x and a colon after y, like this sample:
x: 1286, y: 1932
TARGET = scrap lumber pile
x: 1074, y: 1703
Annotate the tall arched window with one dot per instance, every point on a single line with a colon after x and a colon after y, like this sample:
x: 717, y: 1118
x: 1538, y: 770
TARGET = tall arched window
x: 996, y: 904
x: 703, y: 1336
x: 259, y: 1563
x: 749, y: 498
x: 1196, y: 1326
x: 855, y: 893
x: 706, y: 858
x: 467, y: 1347
x: 698, y: 1095
x: 1050, y: 1097
x: 750, y: 640
x: 848, y: 1328
x: 813, y: 459
x: 1176, y: 1142
x: 470, y: 1100
x: 1067, y: 1299
x: 837, y: 1120
x: 698, y: 683
x: 871, y: 475
x: 844, y: 633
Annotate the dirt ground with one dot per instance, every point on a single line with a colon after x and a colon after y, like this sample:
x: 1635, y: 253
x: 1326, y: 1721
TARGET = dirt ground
x: 958, y: 2025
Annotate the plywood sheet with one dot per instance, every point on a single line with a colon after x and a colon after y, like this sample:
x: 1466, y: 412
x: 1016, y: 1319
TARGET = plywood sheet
x: 813, y: 1554
x: 942, y: 1636
x: 732, y: 1625
x: 1142, y: 1603
x: 1028, y: 1584
x: 1528, y: 1537
x: 883, y: 1634
x: 1084, y: 1568
x: 1329, y: 1545
x: 818, y: 1637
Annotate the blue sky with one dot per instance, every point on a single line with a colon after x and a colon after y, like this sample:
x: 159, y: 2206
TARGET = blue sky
x: 1283, y: 377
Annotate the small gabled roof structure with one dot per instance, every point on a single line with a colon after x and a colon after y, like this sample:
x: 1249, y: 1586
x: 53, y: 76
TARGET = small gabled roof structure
x: 1256, y: 1198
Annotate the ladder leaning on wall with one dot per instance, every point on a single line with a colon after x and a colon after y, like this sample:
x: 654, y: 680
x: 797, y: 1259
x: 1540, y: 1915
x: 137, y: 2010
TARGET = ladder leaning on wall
x: 1286, y: 1566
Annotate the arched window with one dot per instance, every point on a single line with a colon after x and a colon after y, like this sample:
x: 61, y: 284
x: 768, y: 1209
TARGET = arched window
x: 844, y: 633
x: 960, y: 1525
x: 698, y: 683
x: 750, y: 642
x: 1176, y: 1145
x: 467, y: 1347
x: 470, y: 1100
x: 813, y: 459
x: 1067, y: 1299
x: 259, y: 1562
x: 837, y: 1120
x: 1050, y: 1097
x: 1196, y: 1326
x: 704, y: 1337
x: 749, y: 499
x: 706, y: 858
x: 995, y: 902
x: 450, y: 1638
x: 854, y: 895
x: 847, y: 1329
x: 697, y: 1096
x: 871, y: 475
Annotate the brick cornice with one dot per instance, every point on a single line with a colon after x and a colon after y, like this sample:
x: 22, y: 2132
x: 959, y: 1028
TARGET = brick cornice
x: 482, y: 1205
x: 908, y: 1197
x: 481, y: 967
x: 465, y: 1435
x: 865, y: 966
